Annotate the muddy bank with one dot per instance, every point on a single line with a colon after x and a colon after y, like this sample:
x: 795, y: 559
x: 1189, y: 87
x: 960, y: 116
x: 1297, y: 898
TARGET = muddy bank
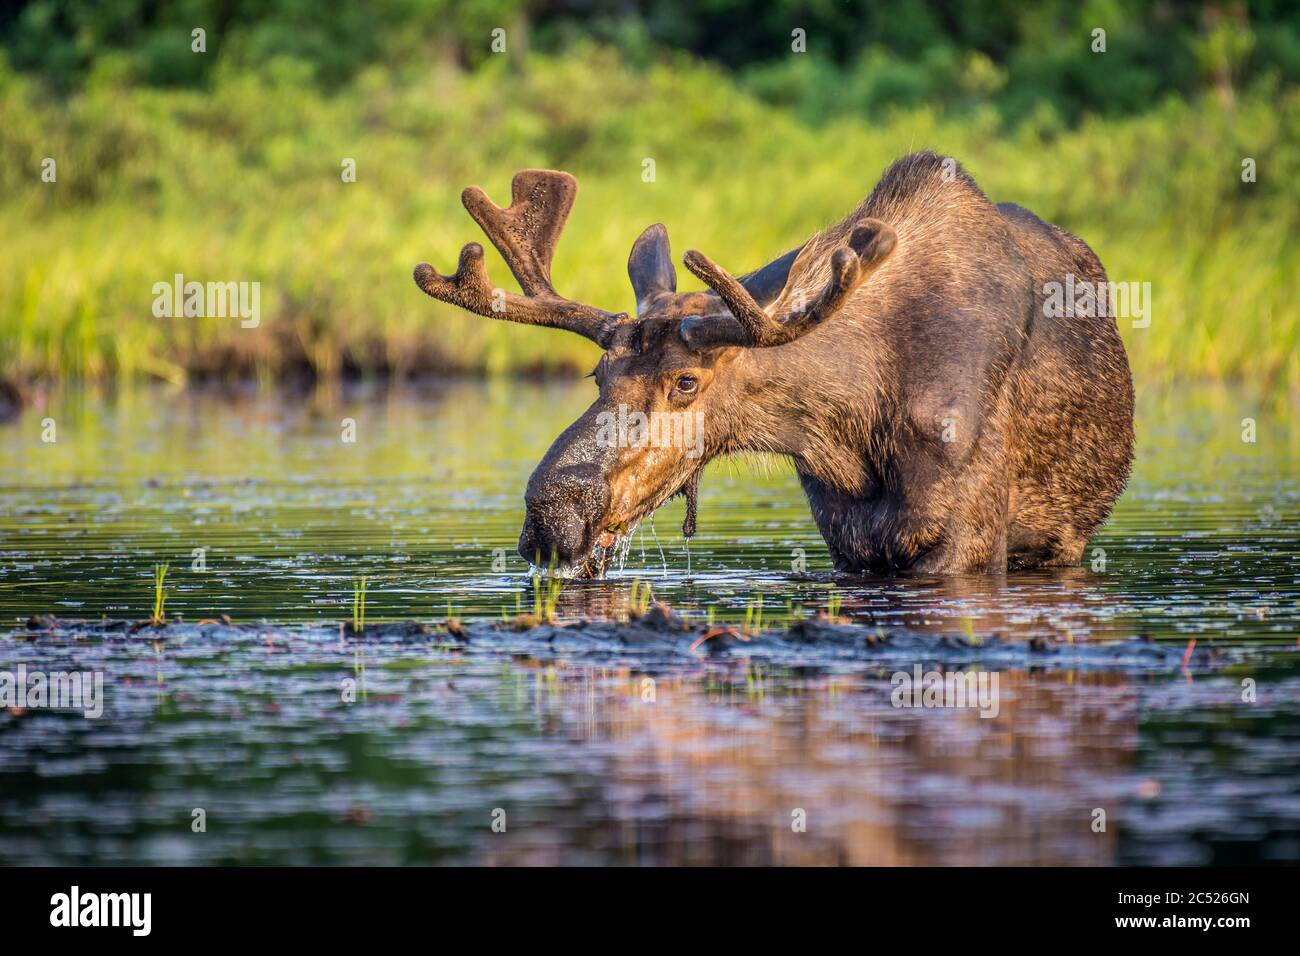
x: 662, y: 636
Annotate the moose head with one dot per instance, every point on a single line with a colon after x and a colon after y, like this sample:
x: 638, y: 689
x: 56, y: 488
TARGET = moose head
x: 692, y: 376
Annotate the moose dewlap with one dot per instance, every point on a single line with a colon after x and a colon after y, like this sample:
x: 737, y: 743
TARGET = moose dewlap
x: 939, y: 416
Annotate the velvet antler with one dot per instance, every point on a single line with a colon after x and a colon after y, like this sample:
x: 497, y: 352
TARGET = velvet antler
x: 526, y: 235
x: 869, y: 245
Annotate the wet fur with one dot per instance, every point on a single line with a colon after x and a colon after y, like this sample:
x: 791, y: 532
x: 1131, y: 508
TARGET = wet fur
x: 952, y: 327
x: 948, y: 331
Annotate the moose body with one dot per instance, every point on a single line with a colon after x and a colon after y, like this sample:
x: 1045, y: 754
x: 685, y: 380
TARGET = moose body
x: 940, y: 416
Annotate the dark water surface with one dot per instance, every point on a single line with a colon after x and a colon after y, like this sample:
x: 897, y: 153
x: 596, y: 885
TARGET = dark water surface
x: 606, y: 753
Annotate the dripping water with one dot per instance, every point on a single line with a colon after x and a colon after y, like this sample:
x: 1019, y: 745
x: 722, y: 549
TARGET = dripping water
x: 654, y: 534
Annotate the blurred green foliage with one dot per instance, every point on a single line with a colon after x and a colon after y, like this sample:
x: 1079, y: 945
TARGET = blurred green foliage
x: 226, y: 166
x: 863, y: 56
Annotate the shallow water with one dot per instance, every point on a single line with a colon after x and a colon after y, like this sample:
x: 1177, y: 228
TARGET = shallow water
x: 427, y: 503
x: 426, y: 506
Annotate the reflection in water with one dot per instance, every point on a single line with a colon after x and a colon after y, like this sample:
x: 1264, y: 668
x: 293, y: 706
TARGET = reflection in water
x: 717, y: 771
x: 614, y: 759
x: 621, y: 761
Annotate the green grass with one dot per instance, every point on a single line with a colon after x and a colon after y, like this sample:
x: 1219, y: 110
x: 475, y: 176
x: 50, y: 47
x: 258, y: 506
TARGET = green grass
x: 546, y: 595
x: 159, y: 592
x: 241, y: 182
x: 641, y: 598
x: 359, y: 606
x: 754, y: 615
x: 834, y: 602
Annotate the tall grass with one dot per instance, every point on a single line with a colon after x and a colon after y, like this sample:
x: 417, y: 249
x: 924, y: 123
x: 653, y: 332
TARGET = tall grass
x: 241, y: 182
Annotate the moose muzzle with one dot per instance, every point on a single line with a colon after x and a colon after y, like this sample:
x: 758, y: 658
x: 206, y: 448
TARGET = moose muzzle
x: 568, y: 496
x: 564, y: 507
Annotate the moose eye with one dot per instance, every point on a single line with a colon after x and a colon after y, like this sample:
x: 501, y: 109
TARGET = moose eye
x: 686, y: 384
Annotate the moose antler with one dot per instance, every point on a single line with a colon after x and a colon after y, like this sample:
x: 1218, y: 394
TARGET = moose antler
x: 526, y: 235
x: 869, y: 245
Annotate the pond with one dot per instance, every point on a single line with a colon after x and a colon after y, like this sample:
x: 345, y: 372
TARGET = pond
x: 533, y: 751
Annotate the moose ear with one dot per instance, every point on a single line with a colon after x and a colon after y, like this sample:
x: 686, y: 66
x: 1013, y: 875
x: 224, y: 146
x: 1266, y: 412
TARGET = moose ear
x: 765, y: 284
x: 650, y: 266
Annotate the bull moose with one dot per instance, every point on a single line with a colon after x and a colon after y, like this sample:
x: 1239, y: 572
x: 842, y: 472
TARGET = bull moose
x: 940, y: 417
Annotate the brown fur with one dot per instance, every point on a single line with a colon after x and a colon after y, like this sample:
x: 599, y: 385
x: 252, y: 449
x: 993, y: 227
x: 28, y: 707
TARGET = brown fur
x: 938, y: 419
